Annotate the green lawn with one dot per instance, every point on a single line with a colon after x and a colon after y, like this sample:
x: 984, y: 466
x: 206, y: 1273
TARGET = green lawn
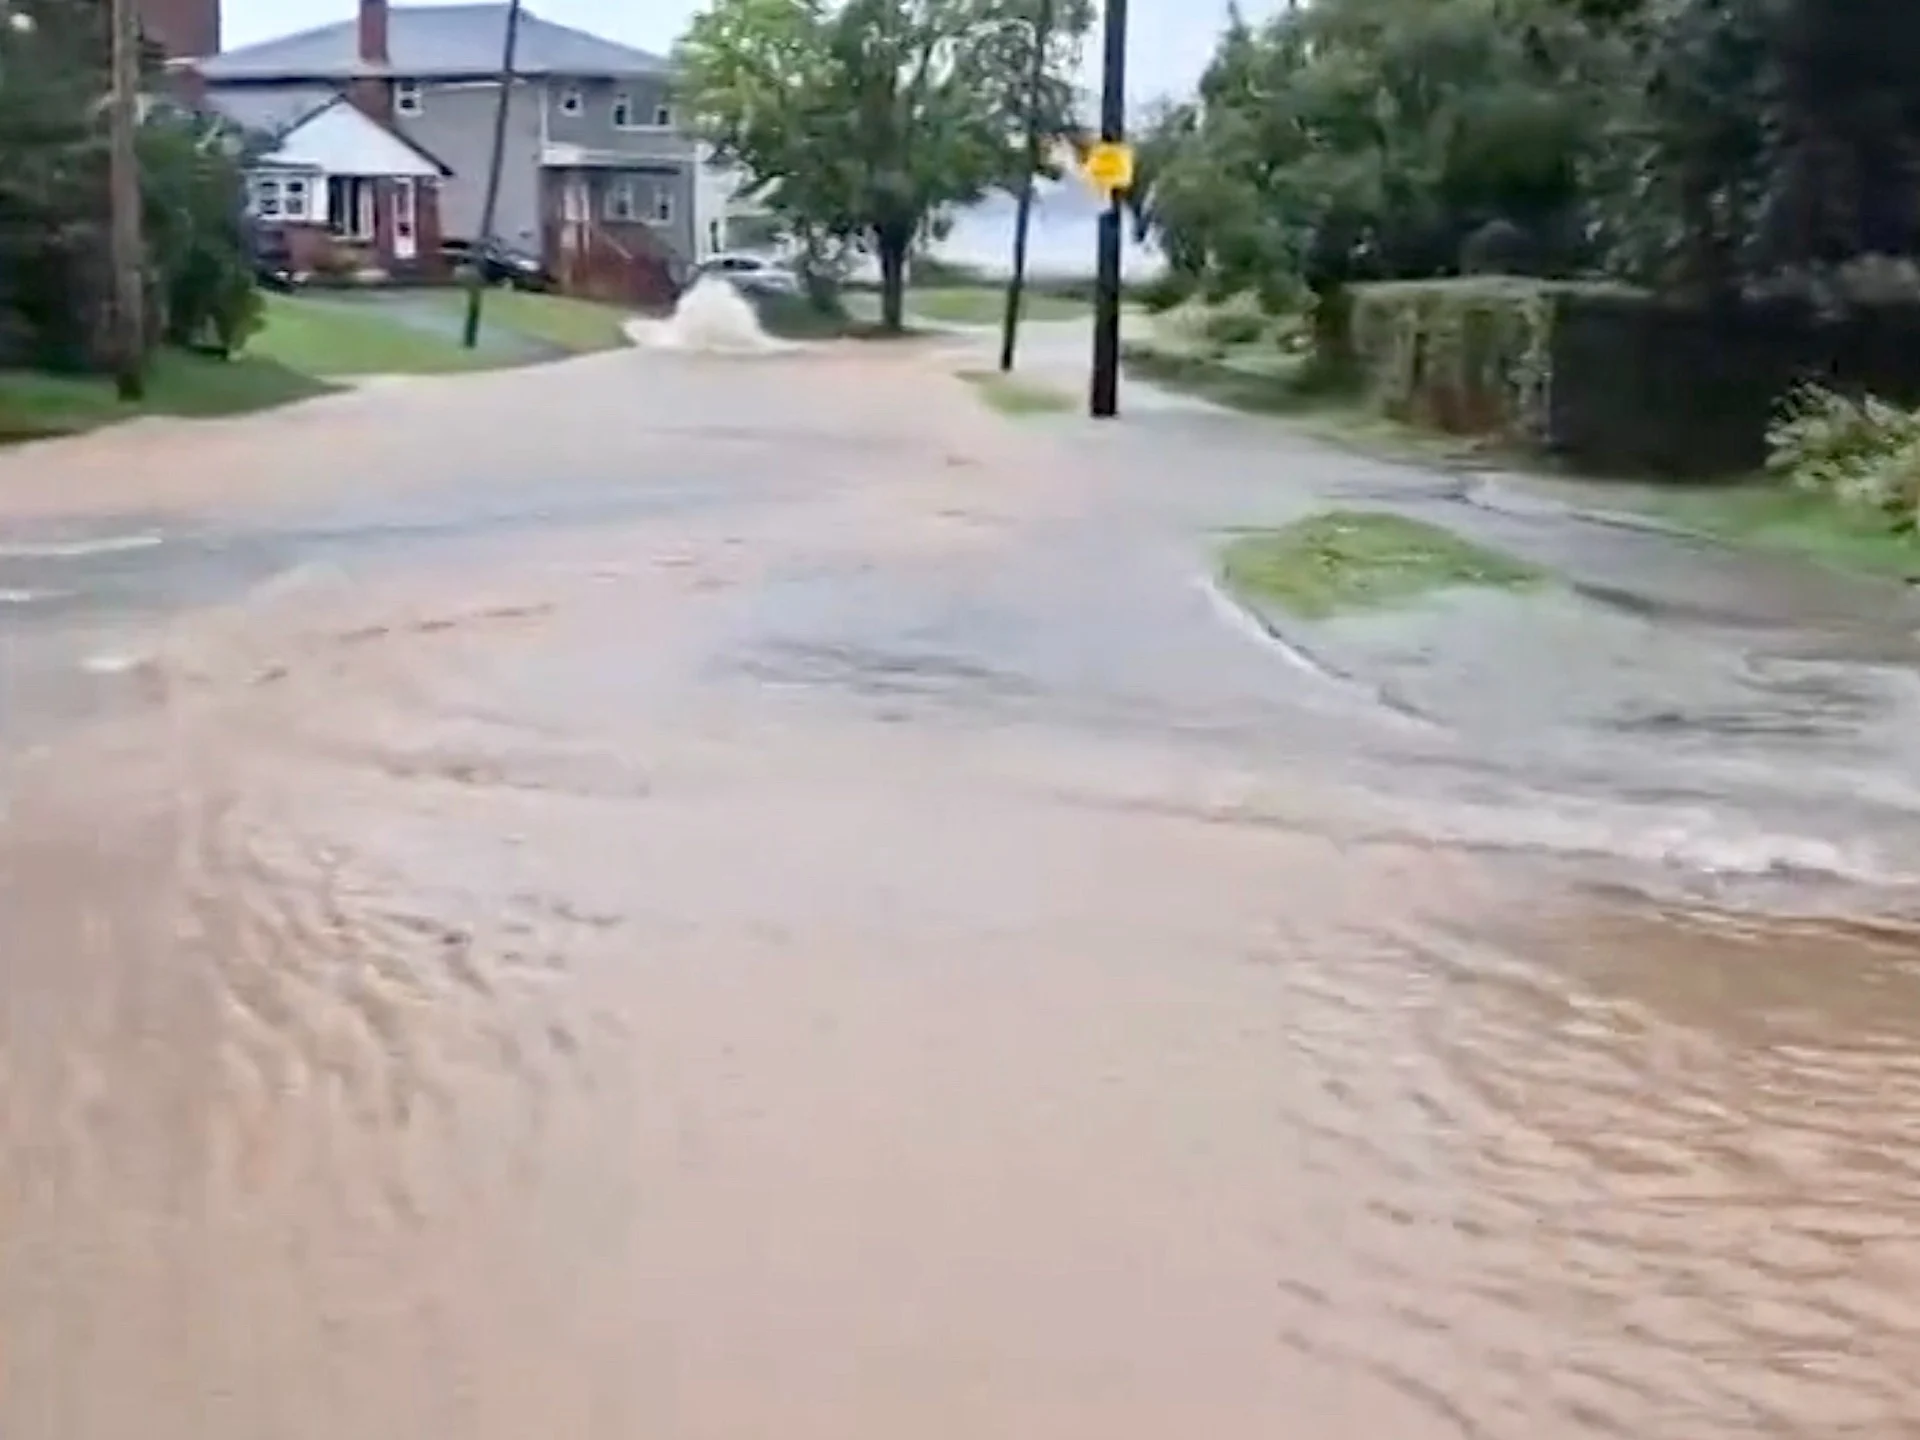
x: 319, y: 335
x: 1346, y: 560
x: 981, y: 304
x: 1771, y: 515
x: 986, y: 305
x: 34, y: 406
x: 304, y: 345
x: 1011, y: 395
x: 579, y: 327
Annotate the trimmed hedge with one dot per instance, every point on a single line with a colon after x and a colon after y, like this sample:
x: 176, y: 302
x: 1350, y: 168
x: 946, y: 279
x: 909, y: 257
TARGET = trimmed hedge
x: 1468, y: 357
x: 1615, y: 379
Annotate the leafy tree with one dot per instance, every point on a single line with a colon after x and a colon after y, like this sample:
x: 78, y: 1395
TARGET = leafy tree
x: 1357, y: 138
x: 53, y: 167
x: 54, y: 281
x: 860, y: 121
x: 198, y: 253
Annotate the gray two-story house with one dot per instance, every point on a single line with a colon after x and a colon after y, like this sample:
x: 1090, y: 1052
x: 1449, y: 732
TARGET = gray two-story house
x: 598, y: 178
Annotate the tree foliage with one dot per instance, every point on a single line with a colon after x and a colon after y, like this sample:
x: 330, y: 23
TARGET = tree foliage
x: 54, y: 280
x: 861, y: 121
x: 1704, y: 144
x: 198, y: 252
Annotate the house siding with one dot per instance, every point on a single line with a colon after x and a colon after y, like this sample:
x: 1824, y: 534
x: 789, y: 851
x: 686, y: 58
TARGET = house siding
x: 455, y: 124
x: 648, y: 185
x: 593, y: 128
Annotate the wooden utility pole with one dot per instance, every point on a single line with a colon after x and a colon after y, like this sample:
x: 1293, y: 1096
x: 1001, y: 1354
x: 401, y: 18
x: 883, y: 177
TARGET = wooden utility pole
x: 127, y: 246
x: 1023, y: 216
x: 477, y: 281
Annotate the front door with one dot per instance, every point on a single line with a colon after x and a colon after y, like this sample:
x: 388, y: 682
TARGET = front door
x: 406, y: 239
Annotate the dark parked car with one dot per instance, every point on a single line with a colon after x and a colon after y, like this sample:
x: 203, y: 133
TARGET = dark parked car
x: 272, y: 260
x: 499, y: 264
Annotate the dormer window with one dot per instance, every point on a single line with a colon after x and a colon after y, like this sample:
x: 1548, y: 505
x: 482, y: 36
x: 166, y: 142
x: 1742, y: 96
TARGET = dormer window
x: 407, y: 99
x: 623, y: 111
x: 663, y: 116
x: 572, y: 101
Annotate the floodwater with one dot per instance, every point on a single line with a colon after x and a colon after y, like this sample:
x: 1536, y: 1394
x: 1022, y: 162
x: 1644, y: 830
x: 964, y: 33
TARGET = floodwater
x: 692, y: 898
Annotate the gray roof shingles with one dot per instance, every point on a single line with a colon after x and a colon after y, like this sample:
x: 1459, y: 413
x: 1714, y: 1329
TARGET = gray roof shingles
x: 438, y: 41
x: 275, y: 111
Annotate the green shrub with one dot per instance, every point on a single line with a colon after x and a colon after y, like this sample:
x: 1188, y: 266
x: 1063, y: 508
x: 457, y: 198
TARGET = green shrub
x: 1860, y: 451
x: 1468, y: 357
x: 1238, y: 321
x: 1166, y: 290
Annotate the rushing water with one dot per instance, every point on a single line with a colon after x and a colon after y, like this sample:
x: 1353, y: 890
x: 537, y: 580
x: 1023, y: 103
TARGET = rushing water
x: 682, y: 898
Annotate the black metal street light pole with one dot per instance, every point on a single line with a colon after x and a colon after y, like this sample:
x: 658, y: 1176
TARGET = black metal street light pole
x: 1105, y: 397
x: 477, y: 280
x: 1023, y: 216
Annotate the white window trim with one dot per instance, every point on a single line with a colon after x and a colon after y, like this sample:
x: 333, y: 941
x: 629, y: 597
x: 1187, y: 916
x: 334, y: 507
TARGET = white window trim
x: 289, y: 187
x: 408, y: 98
x: 659, y: 118
x: 573, y: 100
x: 266, y: 197
x: 620, y: 203
x: 662, y: 206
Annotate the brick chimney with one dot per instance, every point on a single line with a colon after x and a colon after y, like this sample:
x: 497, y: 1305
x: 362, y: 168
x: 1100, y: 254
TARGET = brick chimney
x: 373, y: 32
x: 183, y: 29
x: 372, y: 91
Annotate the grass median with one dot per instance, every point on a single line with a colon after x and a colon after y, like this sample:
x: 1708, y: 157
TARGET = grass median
x: 1342, y: 561
x: 1011, y: 395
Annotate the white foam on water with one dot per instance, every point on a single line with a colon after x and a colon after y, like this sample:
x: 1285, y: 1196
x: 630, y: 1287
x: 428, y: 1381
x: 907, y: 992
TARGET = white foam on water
x: 1702, y: 842
x: 29, y: 597
x: 114, y: 663
x: 714, y: 318
x: 77, y: 549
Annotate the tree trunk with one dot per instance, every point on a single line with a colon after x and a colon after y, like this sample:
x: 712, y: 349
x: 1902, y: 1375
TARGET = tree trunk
x: 893, y: 284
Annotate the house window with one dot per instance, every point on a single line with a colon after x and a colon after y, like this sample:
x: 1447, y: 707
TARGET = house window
x: 572, y: 101
x: 663, y: 116
x: 660, y: 211
x: 350, y: 202
x: 266, y: 198
x: 623, y: 112
x: 622, y: 201
x: 407, y: 99
x: 293, y: 199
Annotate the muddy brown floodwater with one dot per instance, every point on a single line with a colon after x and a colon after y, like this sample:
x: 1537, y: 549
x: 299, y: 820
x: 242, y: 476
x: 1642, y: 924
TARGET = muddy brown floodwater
x: 783, y: 912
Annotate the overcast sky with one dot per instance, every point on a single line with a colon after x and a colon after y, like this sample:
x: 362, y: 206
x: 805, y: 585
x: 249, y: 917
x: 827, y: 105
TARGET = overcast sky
x: 1170, y: 39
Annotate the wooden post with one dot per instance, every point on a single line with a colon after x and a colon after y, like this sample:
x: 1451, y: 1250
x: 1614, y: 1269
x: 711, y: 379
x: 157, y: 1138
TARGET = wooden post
x: 477, y: 282
x: 127, y: 246
x: 1023, y: 216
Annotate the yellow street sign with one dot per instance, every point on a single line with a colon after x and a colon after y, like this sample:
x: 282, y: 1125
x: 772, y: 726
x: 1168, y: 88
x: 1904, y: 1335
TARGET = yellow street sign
x: 1109, y: 167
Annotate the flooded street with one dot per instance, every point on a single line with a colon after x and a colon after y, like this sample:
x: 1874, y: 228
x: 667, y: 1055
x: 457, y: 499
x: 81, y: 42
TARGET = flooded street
x: 669, y: 897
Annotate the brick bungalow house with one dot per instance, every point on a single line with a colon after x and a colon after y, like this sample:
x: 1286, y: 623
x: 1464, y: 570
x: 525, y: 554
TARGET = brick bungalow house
x: 347, y: 193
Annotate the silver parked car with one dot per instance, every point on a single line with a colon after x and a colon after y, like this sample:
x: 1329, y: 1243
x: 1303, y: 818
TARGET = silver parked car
x: 750, y: 274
